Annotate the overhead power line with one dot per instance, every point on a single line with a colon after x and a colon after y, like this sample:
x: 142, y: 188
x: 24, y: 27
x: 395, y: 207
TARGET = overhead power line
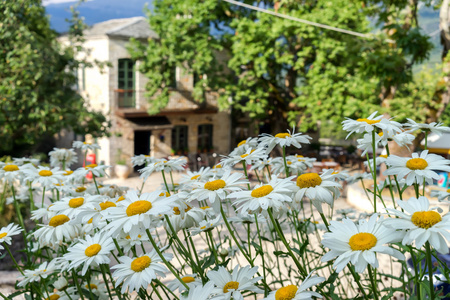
x: 358, y: 34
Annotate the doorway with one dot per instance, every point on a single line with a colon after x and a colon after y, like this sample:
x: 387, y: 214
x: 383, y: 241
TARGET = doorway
x: 141, y: 144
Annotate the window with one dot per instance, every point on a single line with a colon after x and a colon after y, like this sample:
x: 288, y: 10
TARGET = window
x: 125, y: 91
x: 180, y: 138
x: 205, y: 137
x: 173, y: 77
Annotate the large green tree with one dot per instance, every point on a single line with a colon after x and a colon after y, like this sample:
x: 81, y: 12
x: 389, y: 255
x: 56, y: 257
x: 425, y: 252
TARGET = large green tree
x: 283, y: 70
x: 37, y: 80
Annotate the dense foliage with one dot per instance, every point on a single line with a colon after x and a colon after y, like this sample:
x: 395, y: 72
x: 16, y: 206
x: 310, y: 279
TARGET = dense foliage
x: 279, y: 69
x: 38, y: 80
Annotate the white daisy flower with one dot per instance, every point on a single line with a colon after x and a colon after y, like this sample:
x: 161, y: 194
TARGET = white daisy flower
x: 359, y: 243
x: 244, y: 145
x: 10, y: 172
x: 191, y: 280
x: 140, y: 160
x: 434, y: 127
x: 379, y: 160
x: 45, y: 176
x: 422, y: 224
x: 85, y: 146
x: 441, y: 195
x: 248, y: 157
x: 61, y: 283
x: 44, y: 213
x: 57, y: 229
x: 61, y: 156
x: 92, y: 251
x: 137, y: 212
x: 126, y: 242
x: 358, y: 176
x: 7, y: 232
x: 93, y: 212
x: 247, y: 218
x: 318, y: 188
x: 366, y: 143
x: 261, y: 164
x: 273, y: 194
x: 26, y: 160
x: 206, y: 225
x: 42, y: 271
x: 293, y: 292
x: 70, y: 206
x: 218, y: 170
x: 98, y: 288
x: 163, y: 165
x: 277, y: 165
x: 138, y: 272
x: 403, y: 139
x: 201, y: 175
x: 299, y: 164
x: 200, y: 292
x: 284, y: 139
x: 190, y: 216
x: 369, y: 124
x: 96, y: 170
x: 231, y: 285
x: 216, y: 190
x: 417, y: 168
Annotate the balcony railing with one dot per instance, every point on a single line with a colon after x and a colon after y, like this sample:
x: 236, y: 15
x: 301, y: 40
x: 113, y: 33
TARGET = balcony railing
x: 125, y: 98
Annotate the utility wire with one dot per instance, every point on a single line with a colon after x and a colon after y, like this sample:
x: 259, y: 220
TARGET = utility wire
x: 358, y: 34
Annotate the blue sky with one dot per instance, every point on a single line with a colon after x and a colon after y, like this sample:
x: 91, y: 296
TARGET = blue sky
x: 93, y: 11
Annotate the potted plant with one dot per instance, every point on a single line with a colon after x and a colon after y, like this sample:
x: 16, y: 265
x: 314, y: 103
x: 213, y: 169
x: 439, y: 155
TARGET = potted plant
x: 121, y: 169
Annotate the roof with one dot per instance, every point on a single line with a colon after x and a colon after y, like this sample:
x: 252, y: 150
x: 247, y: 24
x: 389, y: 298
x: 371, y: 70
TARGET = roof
x: 136, y: 27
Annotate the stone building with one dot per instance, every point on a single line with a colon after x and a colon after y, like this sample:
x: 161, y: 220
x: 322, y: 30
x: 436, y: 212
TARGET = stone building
x: 119, y: 92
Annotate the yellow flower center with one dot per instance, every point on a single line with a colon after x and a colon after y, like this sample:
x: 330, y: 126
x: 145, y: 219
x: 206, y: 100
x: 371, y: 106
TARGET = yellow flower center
x: 93, y: 286
x: 188, y: 279
x: 53, y: 297
x: 308, y: 180
x: 242, y: 143
x: 10, y: 168
x: 426, y: 219
x: 262, y: 191
x: 87, y: 143
x: 203, y: 227
x: 362, y: 241
x: 416, y: 164
x: 370, y: 122
x: 195, y: 177
x: 244, y: 155
x: 107, y: 204
x: 286, y: 293
x: 76, y: 202
x: 219, y: 166
x: 204, y: 207
x: 176, y: 211
x: 68, y: 172
x: 138, y: 207
x: 3, y: 234
x: 91, y: 166
x: 121, y: 198
x: 90, y: 220
x: 141, y: 263
x: 58, y: 220
x: 384, y: 155
x: 164, y: 194
x: 80, y: 189
x: 232, y: 285
x: 282, y: 135
x: 289, y: 162
x: 381, y: 133
x: 448, y: 191
x: 92, y: 250
x: 45, y: 173
x: 215, y: 185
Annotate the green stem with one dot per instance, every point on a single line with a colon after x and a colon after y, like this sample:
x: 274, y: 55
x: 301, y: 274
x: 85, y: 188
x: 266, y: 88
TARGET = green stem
x: 357, y: 280
x: 164, y: 259
x: 245, y: 172
x: 277, y: 227
x: 213, y: 248
x: 286, y: 169
x: 373, y: 282
x: 43, y: 197
x: 266, y: 287
x: 106, y: 280
x: 95, y: 182
x: 75, y: 279
x: 162, y: 285
x: 165, y: 181
x: 430, y: 269
x: 416, y: 272
x: 224, y: 217
x: 324, y: 219
x: 13, y: 259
